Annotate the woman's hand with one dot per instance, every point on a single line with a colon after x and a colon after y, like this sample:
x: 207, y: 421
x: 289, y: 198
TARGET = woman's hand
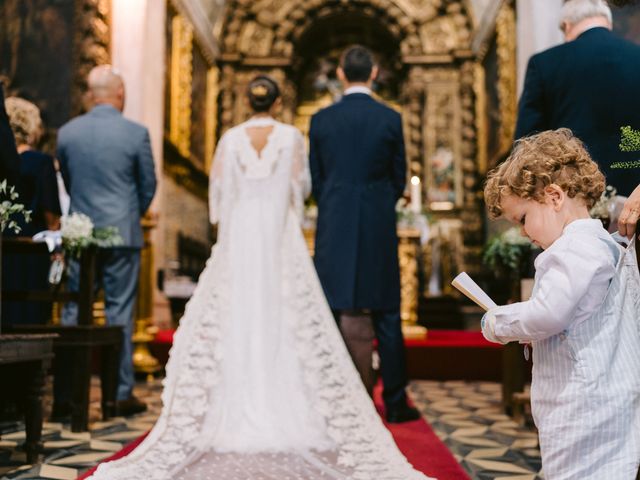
x: 628, y: 220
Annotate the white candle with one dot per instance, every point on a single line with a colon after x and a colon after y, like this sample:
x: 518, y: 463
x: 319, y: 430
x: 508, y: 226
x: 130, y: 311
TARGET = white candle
x: 416, y: 195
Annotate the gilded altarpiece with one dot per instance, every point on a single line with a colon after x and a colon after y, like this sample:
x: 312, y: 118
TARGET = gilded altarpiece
x: 436, y: 71
x: 191, y: 96
x: 47, y: 50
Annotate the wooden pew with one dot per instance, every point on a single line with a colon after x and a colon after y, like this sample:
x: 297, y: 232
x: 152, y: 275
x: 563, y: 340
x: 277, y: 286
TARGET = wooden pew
x: 78, y: 341
x: 24, y: 360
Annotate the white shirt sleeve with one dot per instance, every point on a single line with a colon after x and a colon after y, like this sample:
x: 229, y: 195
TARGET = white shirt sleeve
x: 571, y: 283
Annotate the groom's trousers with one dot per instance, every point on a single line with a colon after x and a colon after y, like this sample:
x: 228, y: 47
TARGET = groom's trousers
x: 393, y: 369
x: 388, y: 329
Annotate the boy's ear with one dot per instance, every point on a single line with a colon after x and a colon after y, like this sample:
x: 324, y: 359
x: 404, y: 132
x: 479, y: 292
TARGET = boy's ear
x: 554, y: 195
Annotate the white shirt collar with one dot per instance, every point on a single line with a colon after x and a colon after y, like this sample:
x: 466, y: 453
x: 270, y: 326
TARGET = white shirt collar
x: 357, y: 89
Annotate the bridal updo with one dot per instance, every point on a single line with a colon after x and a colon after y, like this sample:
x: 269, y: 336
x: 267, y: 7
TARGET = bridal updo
x: 262, y: 92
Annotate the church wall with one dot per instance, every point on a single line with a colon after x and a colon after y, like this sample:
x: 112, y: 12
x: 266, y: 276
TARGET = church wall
x: 184, y: 213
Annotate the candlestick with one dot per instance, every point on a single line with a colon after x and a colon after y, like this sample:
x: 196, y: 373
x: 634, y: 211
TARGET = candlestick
x: 416, y: 195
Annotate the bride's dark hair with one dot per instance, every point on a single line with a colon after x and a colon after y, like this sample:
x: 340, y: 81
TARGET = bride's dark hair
x: 263, y: 91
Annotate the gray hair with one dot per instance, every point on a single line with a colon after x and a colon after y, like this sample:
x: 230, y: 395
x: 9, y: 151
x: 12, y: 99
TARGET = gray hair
x: 574, y: 11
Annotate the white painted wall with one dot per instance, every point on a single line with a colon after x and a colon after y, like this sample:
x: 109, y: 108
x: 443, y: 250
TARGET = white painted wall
x: 138, y: 52
x: 538, y: 28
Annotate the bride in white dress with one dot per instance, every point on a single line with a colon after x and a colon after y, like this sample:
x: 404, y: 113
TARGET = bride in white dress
x: 259, y: 383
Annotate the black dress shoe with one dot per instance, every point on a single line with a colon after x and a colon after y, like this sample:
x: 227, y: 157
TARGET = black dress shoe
x: 130, y: 406
x: 402, y: 414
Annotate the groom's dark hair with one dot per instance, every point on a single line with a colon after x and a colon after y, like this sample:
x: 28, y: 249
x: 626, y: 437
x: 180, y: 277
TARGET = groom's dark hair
x: 356, y: 63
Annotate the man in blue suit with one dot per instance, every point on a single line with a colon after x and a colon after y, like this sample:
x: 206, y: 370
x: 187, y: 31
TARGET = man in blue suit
x: 358, y: 169
x: 108, y: 168
x: 590, y: 85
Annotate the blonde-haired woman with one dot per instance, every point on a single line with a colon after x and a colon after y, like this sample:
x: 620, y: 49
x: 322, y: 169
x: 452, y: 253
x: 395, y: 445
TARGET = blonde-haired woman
x: 38, y: 187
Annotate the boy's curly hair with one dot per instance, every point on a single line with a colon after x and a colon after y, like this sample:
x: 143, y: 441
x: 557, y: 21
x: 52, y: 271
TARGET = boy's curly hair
x: 551, y: 157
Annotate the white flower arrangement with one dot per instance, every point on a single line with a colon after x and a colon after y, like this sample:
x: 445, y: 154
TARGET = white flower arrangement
x: 78, y: 233
x: 406, y: 217
x: 76, y: 226
x: 8, y: 195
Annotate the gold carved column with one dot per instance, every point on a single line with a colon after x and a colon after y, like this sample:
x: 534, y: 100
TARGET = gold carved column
x: 143, y: 361
x: 180, y: 88
x: 408, y: 250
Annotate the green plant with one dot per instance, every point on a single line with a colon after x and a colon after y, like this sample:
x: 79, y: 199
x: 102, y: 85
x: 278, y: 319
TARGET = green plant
x: 8, y: 208
x: 629, y: 142
x: 507, y: 252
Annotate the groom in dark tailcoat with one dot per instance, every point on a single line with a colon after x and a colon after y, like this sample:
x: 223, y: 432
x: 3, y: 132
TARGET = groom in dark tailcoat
x: 358, y: 170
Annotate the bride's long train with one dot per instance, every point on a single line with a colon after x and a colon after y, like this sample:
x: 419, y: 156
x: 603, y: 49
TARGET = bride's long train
x: 182, y: 443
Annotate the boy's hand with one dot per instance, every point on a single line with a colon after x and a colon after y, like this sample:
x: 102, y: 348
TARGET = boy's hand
x: 488, y: 324
x: 628, y: 220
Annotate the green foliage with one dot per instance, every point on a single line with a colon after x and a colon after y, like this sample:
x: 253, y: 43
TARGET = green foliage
x: 629, y: 142
x: 507, y: 252
x: 8, y: 208
x: 629, y: 139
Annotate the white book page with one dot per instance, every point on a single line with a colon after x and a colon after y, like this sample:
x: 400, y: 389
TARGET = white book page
x: 469, y: 288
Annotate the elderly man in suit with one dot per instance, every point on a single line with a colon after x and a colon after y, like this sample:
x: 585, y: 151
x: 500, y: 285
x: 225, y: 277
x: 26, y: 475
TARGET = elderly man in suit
x: 590, y: 85
x: 108, y: 167
x: 358, y: 169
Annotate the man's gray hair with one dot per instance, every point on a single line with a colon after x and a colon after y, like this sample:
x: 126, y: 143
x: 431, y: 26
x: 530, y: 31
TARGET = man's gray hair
x: 574, y: 11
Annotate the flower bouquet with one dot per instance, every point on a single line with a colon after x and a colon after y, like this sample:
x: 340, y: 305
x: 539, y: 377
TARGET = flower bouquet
x: 79, y: 233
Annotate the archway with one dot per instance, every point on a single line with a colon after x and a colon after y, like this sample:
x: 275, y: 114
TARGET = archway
x: 317, y: 55
x: 425, y: 50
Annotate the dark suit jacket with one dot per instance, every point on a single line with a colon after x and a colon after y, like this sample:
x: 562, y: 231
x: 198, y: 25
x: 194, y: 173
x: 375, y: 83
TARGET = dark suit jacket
x: 592, y: 86
x: 9, y: 159
x: 358, y: 170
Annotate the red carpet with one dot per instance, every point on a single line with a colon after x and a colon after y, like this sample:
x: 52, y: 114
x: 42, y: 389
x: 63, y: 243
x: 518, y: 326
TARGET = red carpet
x: 424, y: 450
x: 416, y: 441
x: 122, y: 453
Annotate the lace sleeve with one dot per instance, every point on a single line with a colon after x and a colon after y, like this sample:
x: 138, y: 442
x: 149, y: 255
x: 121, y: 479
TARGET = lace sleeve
x: 216, y: 182
x: 300, y: 176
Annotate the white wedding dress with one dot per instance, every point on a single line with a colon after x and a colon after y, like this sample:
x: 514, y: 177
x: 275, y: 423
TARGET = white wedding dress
x: 259, y: 383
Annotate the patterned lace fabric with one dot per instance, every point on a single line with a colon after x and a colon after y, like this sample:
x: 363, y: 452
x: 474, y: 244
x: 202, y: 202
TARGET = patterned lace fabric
x: 260, y: 384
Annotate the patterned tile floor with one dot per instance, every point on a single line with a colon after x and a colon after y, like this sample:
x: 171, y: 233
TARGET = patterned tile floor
x: 465, y: 415
x: 468, y: 418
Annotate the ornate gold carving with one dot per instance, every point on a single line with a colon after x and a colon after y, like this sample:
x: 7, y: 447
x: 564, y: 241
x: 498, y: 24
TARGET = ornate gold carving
x: 481, y: 119
x: 442, y: 135
x: 439, y: 100
x: 212, y: 112
x: 91, y: 44
x: 408, y: 246
x: 181, y: 68
x: 507, y: 94
x: 143, y: 361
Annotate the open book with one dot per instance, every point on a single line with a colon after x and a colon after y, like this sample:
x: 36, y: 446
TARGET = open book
x: 466, y: 285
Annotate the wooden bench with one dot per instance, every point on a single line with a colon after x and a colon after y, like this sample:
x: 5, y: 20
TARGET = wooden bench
x: 24, y: 360
x: 77, y: 342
